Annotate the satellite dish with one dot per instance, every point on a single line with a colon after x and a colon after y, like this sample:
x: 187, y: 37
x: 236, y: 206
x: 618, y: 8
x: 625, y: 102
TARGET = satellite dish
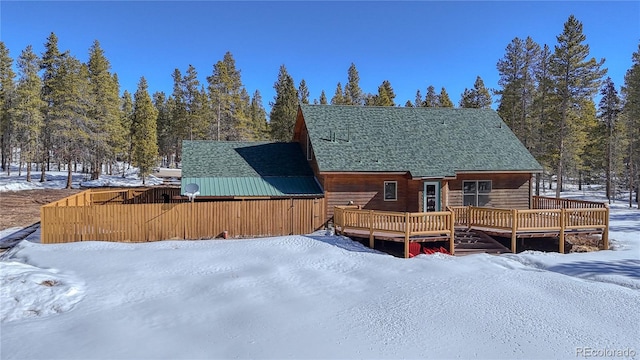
x: 191, y: 190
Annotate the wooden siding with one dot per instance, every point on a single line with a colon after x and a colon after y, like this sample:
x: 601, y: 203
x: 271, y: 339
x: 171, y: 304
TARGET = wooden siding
x: 507, y: 190
x: 367, y: 190
x: 197, y: 220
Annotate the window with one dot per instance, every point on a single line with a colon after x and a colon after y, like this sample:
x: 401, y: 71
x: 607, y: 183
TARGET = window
x: 476, y: 193
x: 390, y: 190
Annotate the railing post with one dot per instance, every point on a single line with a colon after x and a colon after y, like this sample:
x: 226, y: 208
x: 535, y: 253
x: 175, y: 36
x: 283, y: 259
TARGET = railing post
x: 605, y: 232
x: 562, y: 225
x: 406, y: 236
x: 452, y: 228
x: 372, y: 243
x: 514, y: 229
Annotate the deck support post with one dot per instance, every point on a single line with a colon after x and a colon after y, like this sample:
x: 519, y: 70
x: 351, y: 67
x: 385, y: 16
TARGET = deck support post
x: 406, y: 236
x: 514, y: 229
x: 372, y: 242
x: 605, y: 231
x: 452, y: 228
x: 562, y: 225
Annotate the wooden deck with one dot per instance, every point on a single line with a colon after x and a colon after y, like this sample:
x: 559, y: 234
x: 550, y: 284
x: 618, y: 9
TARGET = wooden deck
x: 545, y: 220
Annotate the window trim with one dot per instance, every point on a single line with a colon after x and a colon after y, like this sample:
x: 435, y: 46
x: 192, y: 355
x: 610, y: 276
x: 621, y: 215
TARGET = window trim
x: 477, y: 191
x: 384, y: 190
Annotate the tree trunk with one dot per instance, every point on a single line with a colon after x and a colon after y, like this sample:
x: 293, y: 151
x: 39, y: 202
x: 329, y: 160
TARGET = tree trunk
x: 43, y: 174
x: 28, y: 171
x: 69, y: 174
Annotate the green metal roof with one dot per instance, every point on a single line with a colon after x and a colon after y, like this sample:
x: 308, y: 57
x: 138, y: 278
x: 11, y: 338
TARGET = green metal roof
x: 427, y: 142
x: 233, y: 168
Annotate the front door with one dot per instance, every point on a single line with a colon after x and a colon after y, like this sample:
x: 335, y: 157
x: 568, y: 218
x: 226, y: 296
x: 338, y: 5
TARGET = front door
x: 431, y: 196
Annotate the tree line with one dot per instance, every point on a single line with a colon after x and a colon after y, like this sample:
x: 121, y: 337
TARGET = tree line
x: 58, y: 110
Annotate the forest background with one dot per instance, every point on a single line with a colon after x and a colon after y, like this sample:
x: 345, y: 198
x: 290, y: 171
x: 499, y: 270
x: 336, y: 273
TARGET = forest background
x: 60, y: 112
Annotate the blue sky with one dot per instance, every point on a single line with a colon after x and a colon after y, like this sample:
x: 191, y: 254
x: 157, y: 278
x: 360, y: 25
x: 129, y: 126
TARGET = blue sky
x: 411, y: 44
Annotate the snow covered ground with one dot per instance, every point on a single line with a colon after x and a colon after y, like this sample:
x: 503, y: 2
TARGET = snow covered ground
x: 58, y: 180
x: 319, y: 296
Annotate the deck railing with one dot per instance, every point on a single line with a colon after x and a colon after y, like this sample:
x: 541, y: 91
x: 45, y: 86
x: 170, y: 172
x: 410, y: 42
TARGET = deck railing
x: 540, y: 220
x: 396, y: 223
x: 542, y: 202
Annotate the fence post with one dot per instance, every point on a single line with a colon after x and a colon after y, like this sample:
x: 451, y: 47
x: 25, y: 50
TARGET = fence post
x: 514, y: 229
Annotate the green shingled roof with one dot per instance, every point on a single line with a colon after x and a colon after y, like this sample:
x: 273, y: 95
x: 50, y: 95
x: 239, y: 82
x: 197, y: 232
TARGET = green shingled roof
x: 227, y: 168
x: 427, y: 142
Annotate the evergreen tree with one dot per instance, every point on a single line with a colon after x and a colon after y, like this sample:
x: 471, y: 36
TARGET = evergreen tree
x: 258, y: 117
x: 444, y: 99
x: 228, y: 101
x: 7, y: 94
x: 352, y: 91
x: 323, y: 98
x: 609, y: 109
x: 51, y: 61
x: 544, y: 110
x: 408, y: 104
x: 284, y: 108
x: 338, y: 98
x: 631, y: 112
x: 576, y: 79
x: 145, y: 145
x: 385, y: 95
x: 27, y: 111
x: 166, y: 142
x: 126, y: 121
x: 518, y: 88
x: 418, y: 99
x: 431, y: 99
x: 477, y: 98
x: 71, y: 99
x: 303, y: 92
x: 108, y: 136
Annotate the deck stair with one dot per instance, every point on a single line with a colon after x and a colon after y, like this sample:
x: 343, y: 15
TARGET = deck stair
x: 469, y: 241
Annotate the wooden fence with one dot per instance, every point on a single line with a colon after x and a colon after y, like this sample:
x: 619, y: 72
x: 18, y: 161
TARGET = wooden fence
x: 106, y: 216
x: 395, y: 224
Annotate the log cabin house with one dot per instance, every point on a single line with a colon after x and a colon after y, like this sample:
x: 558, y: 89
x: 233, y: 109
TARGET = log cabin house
x: 408, y: 175
x: 414, y: 159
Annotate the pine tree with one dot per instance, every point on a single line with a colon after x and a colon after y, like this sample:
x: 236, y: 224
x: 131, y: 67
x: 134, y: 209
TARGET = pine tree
x: 284, y: 108
x: 518, y: 88
x: 338, y: 97
x: 51, y: 61
x: 444, y: 99
x: 418, y: 99
x: 71, y: 98
x: 352, y: 91
x: 145, y: 145
x: 7, y: 94
x: 576, y: 79
x: 385, y: 95
x: 258, y: 117
x: 126, y: 121
x: 303, y: 92
x: 431, y: 99
x: 166, y: 142
x: 27, y: 111
x: 323, y: 98
x: 408, y: 104
x: 631, y: 112
x: 108, y: 136
x: 609, y: 109
x: 227, y: 99
x: 477, y: 98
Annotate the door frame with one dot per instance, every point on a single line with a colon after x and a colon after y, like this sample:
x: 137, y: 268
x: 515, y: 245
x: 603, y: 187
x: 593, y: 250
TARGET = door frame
x: 438, y: 185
